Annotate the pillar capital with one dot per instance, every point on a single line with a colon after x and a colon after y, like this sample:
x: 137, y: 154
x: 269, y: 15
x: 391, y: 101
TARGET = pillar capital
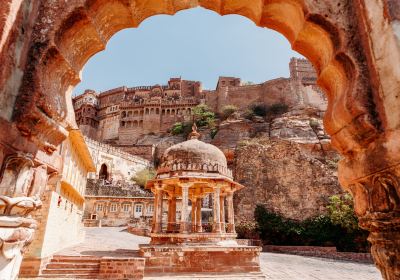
x: 377, y: 205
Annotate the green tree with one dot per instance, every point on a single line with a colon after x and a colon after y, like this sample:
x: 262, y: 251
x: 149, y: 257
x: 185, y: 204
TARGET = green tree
x: 204, y: 116
x: 143, y: 176
x: 341, y: 212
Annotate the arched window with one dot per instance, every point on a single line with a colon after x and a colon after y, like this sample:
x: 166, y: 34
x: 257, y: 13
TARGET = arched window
x: 123, y: 114
x: 147, y: 111
x: 157, y: 111
x: 103, y: 174
x: 163, y: 112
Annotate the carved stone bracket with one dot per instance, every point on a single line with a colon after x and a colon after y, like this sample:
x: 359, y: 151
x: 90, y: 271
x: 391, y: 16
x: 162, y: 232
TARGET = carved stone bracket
x: 20, y: 187
x: 16, y: 232
x: 377, y: 204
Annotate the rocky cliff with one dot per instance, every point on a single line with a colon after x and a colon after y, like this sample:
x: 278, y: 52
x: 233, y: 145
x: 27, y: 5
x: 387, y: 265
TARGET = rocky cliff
x: 292, y: 169
x: 286, y: 162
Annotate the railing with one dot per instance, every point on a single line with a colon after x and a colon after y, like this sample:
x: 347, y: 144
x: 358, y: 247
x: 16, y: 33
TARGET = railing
x: 190, y: 227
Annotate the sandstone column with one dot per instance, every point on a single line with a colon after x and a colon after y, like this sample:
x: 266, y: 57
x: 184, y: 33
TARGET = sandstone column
x: 184, y: 211
x: 194, y: 213
x: 199, y: 226
x: 216, y: 211
x: 171, y: 214
x: 222, y: 210
x: 158, y: 210
x: 231, y: 215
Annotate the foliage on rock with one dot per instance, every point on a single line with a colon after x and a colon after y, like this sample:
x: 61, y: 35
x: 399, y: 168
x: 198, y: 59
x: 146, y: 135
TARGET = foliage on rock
x: 204, y: 116
x: 143, y: 176
x: 322, y: 230
x: 228, y: 110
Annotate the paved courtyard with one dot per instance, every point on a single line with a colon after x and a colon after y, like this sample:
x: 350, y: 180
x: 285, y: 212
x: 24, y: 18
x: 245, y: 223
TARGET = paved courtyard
x: 117, y: 242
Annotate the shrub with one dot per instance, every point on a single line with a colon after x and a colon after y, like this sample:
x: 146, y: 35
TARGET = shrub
x: 248, y: 114
x: 204, y: 116
x: 213, y: 132
x: 181, y: 128
x: 247, y: 230
x: 278, y: 109
x: 228, y: 110
x: 341, y: 212
x: 323, y: 230
x: 143, y: 176
x: 259, y: 110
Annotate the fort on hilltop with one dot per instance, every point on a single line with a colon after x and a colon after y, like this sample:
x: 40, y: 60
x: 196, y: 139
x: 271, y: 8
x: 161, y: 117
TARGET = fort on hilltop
x: 120, y: 116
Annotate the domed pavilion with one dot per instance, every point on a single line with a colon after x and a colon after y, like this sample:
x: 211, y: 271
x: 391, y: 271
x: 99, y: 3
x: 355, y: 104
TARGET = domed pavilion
x: 190, y: 171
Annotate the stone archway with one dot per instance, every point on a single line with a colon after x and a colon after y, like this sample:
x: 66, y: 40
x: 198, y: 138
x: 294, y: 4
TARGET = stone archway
x: 352, y: 44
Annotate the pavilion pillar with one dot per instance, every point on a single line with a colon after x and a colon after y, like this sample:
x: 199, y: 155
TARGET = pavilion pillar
x: 194, y: 213
x: 231, y: 215
x: 158, y: 210
x: 184, y: 211
x: 222, y: 211
x: 199, y: 226
x: 216, y: 211
x: 171, y: 214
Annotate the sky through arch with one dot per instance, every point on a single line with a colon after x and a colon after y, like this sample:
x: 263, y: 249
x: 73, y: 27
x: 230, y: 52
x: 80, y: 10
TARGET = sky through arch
x: 195, y: 44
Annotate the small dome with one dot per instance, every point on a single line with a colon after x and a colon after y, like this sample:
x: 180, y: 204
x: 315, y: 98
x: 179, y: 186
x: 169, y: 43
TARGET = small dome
x: 194, y: 156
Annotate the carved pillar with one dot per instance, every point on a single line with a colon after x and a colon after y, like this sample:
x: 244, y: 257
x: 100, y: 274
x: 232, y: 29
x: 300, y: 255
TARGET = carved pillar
x: 184, y: 211
x: 171, y: 214
x: 222, y: 210
x: 20, y: 188
x: 199, y: 226
x: 158, y: 210
x: 216, y: 211
x: 194, y: 214
x: 377, y: 204
x: 231, y: 214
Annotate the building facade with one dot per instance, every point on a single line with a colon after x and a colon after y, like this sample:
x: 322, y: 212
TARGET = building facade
x: 63, y: 205
x: 120, y: 116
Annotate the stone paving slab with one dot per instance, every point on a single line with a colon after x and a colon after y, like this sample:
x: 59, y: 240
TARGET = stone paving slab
x: 116, y: 241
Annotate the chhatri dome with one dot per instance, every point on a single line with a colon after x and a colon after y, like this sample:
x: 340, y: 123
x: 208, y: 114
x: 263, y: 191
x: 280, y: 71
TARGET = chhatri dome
x: 191, y: 171
x: 194, y: 157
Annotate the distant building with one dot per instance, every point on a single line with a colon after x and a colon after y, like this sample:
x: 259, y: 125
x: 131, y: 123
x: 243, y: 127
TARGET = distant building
x: 122, y: 115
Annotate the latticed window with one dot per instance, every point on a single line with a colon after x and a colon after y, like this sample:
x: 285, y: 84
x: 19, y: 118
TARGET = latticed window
x: 138, y: 208
x: 150, y: 208
x: 126, y: 207
x: 99, y: 207
x: 113, y: 207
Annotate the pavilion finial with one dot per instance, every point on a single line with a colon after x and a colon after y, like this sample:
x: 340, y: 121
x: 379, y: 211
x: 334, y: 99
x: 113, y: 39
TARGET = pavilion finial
x: 194, y: 134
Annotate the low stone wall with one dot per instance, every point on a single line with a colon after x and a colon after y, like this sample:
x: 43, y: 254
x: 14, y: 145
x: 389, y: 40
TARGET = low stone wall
x: 321, y: 252
x: 176, y: 259
x: 139, y: 231
x: 121, y: 268
x: 249, y: 242
x: 91, y: 223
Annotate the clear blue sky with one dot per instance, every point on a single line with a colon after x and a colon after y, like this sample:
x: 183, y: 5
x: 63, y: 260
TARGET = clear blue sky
x: 195, y: 44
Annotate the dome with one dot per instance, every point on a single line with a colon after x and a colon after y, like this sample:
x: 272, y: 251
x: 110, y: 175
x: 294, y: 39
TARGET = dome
x: 194, y: 155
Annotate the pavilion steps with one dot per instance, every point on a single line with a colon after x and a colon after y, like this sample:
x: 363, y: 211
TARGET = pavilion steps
x: 216, y: 276
x: 76, y: 267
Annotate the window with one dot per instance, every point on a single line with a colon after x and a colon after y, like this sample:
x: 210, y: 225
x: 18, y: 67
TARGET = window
x: 138, y: 208
x: 99, y: 207
x: 150, y: 208
x: 113, y: 207
x: 126, y: 207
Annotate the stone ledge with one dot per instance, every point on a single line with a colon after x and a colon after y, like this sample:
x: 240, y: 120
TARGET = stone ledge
x: 321, y: 252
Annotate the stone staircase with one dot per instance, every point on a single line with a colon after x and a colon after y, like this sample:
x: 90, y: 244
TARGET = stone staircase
x: 76, y: 267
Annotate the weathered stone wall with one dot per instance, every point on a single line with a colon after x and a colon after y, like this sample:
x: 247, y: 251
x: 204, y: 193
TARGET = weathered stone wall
x: 120, y: 165
x: 285, y: 177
